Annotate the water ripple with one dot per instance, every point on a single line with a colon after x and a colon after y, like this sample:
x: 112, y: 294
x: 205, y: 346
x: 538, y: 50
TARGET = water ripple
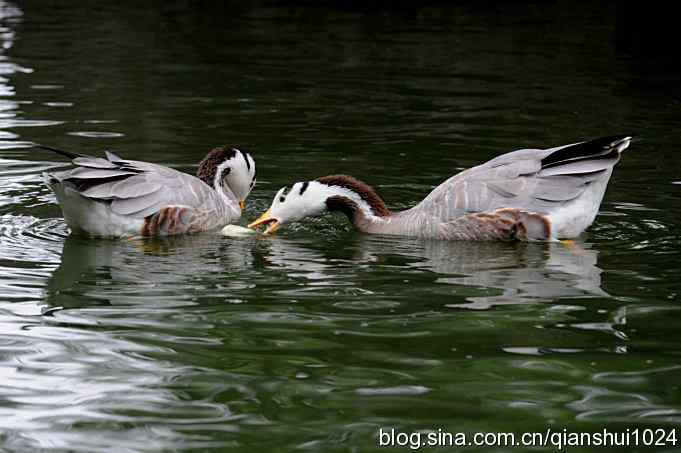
x: 97, y: 134
x: 318, y: 336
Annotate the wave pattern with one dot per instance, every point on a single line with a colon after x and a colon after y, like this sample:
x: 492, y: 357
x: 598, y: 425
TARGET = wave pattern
x: 317, y: 337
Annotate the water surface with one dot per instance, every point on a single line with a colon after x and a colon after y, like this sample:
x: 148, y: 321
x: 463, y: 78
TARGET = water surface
x: 314, y: 339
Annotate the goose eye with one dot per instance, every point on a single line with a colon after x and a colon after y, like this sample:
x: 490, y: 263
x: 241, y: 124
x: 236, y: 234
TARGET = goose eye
x: 282, y: 198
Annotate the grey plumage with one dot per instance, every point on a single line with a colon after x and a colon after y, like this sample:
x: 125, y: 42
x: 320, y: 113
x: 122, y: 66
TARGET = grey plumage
x: 564, y: 185
x: 528, y: 194
x: 94, y: 162
x: 96, y: 173
x: 135, y: 190
x: 112, y: 156
x: 519, y: 178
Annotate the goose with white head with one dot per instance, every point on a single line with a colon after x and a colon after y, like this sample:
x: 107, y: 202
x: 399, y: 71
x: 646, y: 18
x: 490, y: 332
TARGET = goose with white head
x: 115, y: 197
x: 528, y: 194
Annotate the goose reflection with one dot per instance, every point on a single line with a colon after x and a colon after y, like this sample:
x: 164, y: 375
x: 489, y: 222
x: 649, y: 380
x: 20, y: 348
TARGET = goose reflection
x: 162, y: 272
x: 525, y: 272
x: 510, y: 273
x: 169, y: 270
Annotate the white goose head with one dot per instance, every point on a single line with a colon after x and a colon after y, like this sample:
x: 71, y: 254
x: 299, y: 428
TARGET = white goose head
x: 330, y: 193
x: 231, y: 167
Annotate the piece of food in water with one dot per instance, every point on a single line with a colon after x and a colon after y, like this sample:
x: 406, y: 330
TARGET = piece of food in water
x: 236, y: 231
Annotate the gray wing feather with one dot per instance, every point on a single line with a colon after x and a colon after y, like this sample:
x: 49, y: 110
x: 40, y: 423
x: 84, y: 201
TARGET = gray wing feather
x: 97, y: 173
x: 508, y: 187
x: 113, y: 157
x: 519, y: 155
x: 484, y: 187
x: 151, y: 168
x: 177, y: 190
x: 532, y: 179
x: 141, y: 206
x: 137, y: 188
x: 103, y: 191
x: 94, y: 162
x: 560, y: 188
x: 590, y: 166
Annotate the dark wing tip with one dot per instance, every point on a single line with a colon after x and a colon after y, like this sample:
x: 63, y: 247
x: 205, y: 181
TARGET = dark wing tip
x: 599, y: 147
x: 609, y: 141
x: 68, y: 154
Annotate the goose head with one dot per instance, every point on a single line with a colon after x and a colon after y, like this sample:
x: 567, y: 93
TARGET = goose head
x: 231, y: 167
x: 312, y: 198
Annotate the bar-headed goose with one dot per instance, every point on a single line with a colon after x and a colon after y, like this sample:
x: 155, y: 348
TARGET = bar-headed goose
x: 116, y: 197
x: 528, y: 194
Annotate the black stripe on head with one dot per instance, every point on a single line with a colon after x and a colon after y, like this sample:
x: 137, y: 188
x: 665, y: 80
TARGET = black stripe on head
x: 304, y: 188
x: 282, y: 198
x: 245, y: 157
x: 225, y: 172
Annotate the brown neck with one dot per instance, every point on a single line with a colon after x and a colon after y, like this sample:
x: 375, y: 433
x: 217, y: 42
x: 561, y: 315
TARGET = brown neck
x: 349, y: 207
x: 346, y: 206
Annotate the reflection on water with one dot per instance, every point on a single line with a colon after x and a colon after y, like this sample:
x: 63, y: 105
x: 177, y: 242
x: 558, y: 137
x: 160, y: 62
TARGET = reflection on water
x: 133, y: 285
x: 10, y: 17
x: 135, y: 270
x: 520, y: 272
x: 315, y: 338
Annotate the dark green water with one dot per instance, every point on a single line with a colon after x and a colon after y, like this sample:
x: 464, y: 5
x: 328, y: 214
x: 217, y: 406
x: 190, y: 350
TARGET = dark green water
x: 314, y: 339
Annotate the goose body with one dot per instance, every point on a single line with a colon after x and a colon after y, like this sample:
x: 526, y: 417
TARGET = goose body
x: 115, y: 197
x: 528, y: 194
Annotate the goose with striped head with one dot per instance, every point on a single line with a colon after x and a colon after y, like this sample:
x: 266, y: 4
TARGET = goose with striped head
x: 528, y: 194
x: 115, y: 197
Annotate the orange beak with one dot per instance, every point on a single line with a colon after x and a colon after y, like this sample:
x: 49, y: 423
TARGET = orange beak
x: 266, y: 219
x: 242, y: 204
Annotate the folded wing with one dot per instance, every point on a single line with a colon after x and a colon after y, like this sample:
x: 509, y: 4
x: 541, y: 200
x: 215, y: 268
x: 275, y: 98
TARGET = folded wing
x: 530, y: 179
x: 134, y: 188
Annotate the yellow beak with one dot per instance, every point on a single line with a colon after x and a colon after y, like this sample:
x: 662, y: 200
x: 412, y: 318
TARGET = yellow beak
x: 242, y: 204
x: 266, y: 218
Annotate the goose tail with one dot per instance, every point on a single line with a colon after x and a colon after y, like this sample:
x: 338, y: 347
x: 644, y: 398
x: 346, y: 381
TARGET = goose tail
x: 587, y: 157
